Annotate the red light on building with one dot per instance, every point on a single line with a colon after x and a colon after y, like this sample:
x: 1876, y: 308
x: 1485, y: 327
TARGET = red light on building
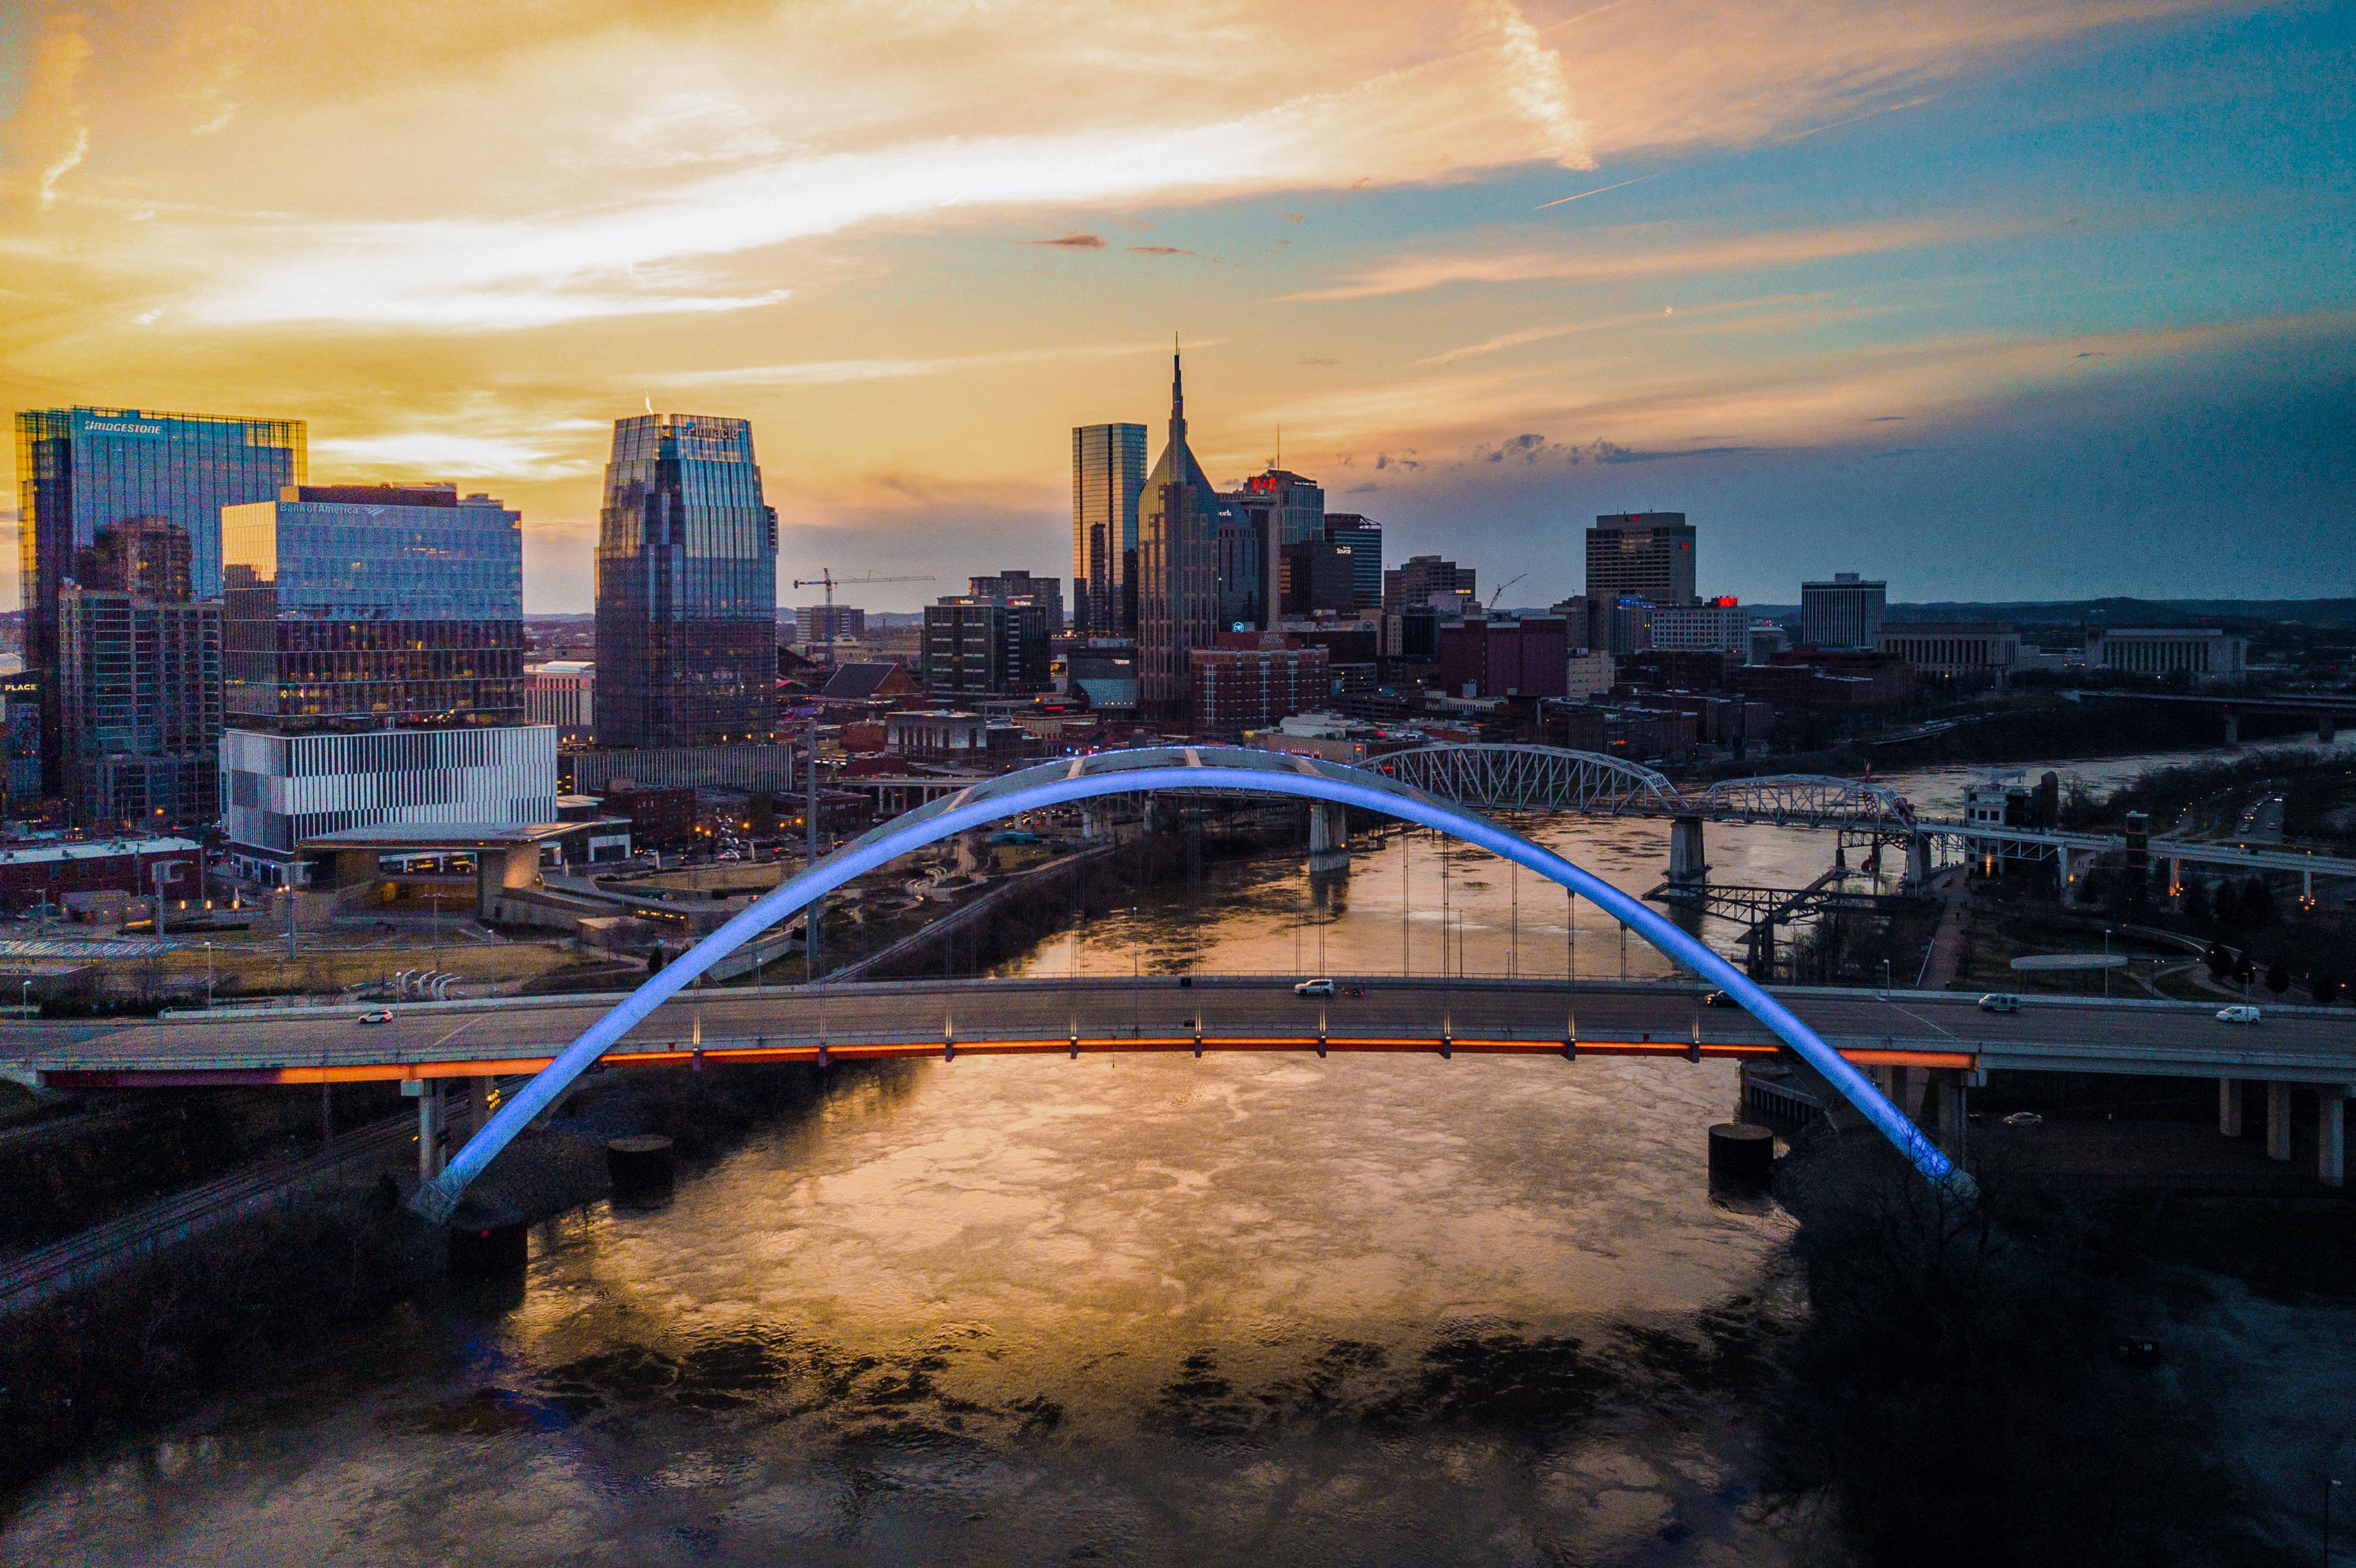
x: 1728, y: 601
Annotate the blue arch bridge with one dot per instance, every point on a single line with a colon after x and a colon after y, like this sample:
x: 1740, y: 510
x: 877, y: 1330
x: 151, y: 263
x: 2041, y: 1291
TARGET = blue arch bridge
x: 1179, y: 768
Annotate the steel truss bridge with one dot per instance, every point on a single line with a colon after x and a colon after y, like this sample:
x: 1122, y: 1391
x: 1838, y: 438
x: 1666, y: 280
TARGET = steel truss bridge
x: 1543, y: 778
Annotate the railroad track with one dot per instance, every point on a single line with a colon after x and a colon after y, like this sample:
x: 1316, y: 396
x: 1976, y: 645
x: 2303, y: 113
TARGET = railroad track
x: 48, y: 1271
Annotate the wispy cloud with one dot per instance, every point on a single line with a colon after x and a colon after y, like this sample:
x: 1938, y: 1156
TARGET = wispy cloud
x: 838, y: 372
x: 1074, y: 241
x: 1159, y: 251
x: 1652, y: 250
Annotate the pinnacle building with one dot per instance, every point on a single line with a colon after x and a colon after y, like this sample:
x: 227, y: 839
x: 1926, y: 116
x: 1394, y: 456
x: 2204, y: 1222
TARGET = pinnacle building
x: 686, y: 587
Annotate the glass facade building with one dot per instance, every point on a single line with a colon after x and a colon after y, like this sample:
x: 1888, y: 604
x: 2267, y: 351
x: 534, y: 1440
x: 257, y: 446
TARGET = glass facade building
x: 686, y: 587
x: 1107, y: 479
x: 372, y: 607
x: 1177, y: 570
x: 81, y: 470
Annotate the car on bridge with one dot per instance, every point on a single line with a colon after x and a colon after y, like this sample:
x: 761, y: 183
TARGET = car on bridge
x: 1999, y: 1002
x: 2239, y: 1013
x: 380, y: 1015
x: 1318, y: 988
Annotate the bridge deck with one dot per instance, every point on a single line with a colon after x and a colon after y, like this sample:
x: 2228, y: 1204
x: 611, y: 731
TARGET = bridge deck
x: 1427, y: 1015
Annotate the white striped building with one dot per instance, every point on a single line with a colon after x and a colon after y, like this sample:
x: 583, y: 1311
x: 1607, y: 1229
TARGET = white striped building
x: 279, y: 790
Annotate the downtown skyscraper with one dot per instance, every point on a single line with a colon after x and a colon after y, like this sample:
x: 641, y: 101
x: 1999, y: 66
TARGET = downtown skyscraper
x: 1107, y: 477
x: 81, y: 471
x: 1177, y: 568
x: 686, y: 587
x: 372, y: 666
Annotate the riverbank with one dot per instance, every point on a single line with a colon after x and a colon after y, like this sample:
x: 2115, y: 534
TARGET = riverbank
x: 163, y: 1337
x: 2039, y: 1379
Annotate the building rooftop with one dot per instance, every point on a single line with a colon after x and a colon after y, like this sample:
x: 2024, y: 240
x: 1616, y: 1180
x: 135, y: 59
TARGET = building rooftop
x: 93, y: 849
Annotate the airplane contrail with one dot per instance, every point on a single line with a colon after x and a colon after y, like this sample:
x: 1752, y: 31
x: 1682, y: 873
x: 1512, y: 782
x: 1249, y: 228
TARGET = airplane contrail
x: 1582, y: 195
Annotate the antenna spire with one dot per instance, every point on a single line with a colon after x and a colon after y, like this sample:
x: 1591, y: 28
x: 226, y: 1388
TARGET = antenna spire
x: 1177, y: 394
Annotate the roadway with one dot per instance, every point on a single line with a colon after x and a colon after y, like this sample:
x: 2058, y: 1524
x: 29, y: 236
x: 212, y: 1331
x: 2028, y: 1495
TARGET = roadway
x: 1926, y: 1028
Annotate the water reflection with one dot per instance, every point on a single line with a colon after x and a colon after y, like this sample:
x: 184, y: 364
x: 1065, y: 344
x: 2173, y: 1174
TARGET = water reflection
x: 1149, y: 1310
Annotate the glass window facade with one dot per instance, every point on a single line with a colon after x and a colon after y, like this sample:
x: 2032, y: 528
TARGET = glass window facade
x: 686, y: 587
x: 81, y: 470
x: 373, y: 608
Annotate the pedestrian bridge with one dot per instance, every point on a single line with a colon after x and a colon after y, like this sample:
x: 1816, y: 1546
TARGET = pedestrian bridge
x: 1178, y: 768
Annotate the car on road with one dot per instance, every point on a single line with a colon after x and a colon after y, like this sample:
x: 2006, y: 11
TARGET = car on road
x: 2024, y: 1119
x: 1999, y: 1002
x: 1319, y: 988
x: 2239, y: 1013
x: 380, y: 1015
x: 1715, y: 999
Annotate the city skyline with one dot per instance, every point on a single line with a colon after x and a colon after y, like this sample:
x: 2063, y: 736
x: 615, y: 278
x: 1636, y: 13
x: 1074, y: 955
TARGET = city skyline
x: 1484, y: 271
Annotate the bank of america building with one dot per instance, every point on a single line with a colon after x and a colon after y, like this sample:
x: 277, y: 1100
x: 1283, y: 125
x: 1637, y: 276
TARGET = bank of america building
x: 372, y: 666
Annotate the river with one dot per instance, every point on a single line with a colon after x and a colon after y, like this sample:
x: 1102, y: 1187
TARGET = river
x: 1370, y: 1310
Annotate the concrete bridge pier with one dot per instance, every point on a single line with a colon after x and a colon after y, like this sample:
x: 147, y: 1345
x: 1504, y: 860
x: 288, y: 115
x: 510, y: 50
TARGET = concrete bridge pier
x: 1095, y: 822
x: 1689, y: 867
x: 1918, y: 862
x: 2074, y: 881
x: 2232, y: 727
x: 1329, y: 837
x: 2229, y: 1107
x: 2327, y: 729
x: 1945, y: 1100
x: 427, y: 1093
x: 2278, y: 1121
x: 2330, y: 1134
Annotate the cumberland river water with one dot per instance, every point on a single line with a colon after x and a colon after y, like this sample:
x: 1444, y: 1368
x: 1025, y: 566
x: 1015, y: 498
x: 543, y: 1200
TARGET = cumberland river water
x: 1369, y: 1310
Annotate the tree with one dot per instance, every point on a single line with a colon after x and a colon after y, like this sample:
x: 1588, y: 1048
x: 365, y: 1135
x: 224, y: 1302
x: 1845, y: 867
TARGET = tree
x: 2326, y: 988
x: 2219, y: 961
x: 2277, y: 978
x: 2257, y: 904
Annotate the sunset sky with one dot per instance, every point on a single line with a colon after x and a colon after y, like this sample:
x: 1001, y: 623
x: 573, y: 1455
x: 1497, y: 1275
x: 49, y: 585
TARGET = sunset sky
x: 1996, y: 298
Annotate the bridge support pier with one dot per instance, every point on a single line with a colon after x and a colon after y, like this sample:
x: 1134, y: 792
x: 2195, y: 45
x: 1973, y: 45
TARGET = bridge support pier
x: 2330, y: 1134
x: 1945, y: 1099
x: 2327, y: 729
x: 1094, y: 826
x: 2278, y: 1121
x: 427, y: 1093
x: 2232, y: 727
x: 1918, y: 862
x: 1329, y: 837
x: 2229, y: 1107
x: 1689, y: 867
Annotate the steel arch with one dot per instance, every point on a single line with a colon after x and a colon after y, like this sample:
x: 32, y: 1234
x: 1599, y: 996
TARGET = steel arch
x: 1166, y: 768
x: 1498, y: 778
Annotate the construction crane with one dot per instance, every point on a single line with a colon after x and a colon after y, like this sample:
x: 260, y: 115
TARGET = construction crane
x: 814, y: 918
x: 827, y: 579
x: 1500, y: 593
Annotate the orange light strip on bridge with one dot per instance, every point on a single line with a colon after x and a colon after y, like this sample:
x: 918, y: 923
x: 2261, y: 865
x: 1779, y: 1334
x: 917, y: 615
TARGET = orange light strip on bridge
x: 675, y: 1056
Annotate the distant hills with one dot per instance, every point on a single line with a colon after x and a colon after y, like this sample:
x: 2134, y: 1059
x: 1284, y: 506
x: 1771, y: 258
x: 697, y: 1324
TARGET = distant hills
x: 2123, y: 612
